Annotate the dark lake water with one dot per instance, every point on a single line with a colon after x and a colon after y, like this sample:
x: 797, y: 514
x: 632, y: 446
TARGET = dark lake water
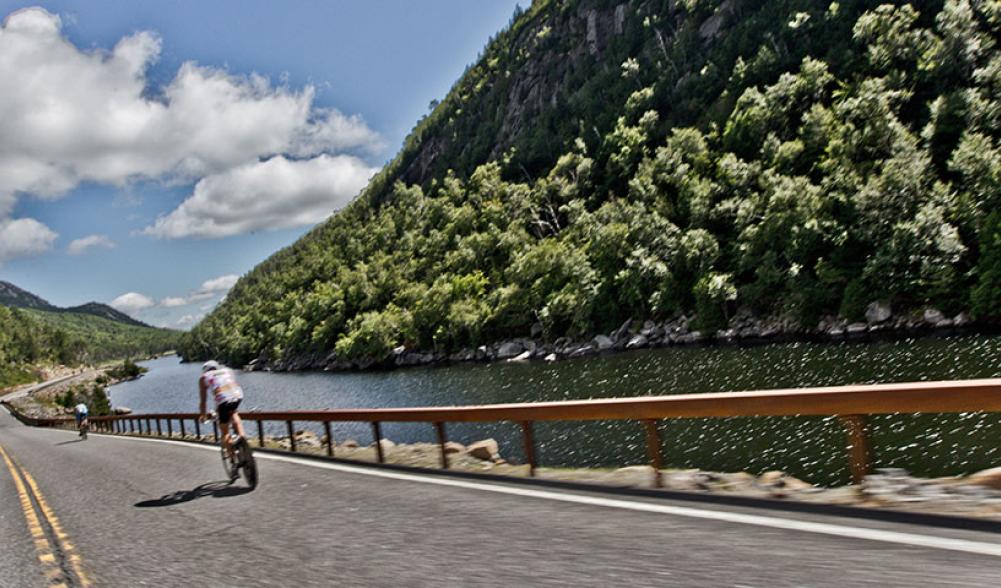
x: 809, y: 447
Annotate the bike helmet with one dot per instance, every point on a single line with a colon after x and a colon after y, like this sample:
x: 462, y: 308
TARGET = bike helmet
x: 210, y: 365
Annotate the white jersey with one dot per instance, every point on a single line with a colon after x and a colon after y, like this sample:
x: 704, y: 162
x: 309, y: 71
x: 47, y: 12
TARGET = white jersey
x: 81, y: 409
x: 221, y: 384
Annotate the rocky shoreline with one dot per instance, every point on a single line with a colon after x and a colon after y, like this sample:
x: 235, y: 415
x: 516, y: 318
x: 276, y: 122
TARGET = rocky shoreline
x: 743, y: 328
x: 977, y: 495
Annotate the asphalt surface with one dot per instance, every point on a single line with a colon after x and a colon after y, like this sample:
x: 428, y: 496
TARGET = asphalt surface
x: 151, y: 513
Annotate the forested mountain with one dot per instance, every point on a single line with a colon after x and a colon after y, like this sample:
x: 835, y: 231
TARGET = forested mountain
x: 12, y: 296
x: 607, y: 160
x: 34, y: 333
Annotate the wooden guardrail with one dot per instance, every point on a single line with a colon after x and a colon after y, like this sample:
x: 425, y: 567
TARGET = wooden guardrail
x: 852, y: 404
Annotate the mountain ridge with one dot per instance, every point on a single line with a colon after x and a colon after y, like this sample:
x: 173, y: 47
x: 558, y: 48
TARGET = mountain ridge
x: 14, y: 296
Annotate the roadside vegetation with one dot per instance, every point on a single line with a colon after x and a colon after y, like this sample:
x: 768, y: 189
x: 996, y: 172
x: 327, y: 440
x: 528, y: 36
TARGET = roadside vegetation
x: 795, y: 158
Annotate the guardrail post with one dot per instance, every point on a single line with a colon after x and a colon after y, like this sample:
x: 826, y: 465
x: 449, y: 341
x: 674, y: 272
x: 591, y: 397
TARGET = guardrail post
x: 859, y: 450
x: 181, y: 422
x: 291, y: 435
x: 260, y: 431
x: 149, y: 427
x: 132, y: 425
x: 377, y: 435
x: 198, y: 429
x: 528, y: 437
x: 170, y: 428
x: 439, y: 428
x: 330, y: 439
x: 653, y: 449
x: 215, y: 431
x: 159, y: 433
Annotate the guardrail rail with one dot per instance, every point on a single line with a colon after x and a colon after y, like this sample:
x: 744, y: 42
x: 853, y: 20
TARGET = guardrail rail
x: 851, y: 404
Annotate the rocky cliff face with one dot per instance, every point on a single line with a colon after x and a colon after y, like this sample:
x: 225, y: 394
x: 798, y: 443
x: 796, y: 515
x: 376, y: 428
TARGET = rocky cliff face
x: 540, y: 75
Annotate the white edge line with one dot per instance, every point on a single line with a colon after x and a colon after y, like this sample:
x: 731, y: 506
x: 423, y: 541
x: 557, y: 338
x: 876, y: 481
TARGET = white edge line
x: 914, y: 539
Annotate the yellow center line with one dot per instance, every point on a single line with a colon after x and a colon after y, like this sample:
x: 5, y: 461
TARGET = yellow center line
x: 43, y: 547
x: 67, y: 548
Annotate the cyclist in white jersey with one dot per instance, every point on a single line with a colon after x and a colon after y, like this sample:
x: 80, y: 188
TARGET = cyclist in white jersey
x: 220, y: 382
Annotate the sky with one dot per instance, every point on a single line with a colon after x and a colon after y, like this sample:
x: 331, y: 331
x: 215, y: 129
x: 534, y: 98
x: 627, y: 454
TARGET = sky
x: 151, y: 153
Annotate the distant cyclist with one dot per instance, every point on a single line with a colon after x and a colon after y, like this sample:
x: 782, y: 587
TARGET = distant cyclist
x: 80, y: 412
x: 220, y: 382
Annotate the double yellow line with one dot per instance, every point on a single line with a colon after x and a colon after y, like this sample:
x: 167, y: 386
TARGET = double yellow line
x: 58, y: 574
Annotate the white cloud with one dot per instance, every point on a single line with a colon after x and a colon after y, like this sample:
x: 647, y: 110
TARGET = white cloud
x: 23, y: 237
x: 275, y: 194
x: 132, y: 302
x: 209, y: 289
x: 79, y: 246
x: 188, y: 320
x: 220, y: 284
x: 69, y: 115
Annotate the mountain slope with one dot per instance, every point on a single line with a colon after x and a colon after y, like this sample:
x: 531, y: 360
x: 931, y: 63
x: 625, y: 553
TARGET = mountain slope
x: 604, y: 161
x: 11, y: 295
x: 104, y: 311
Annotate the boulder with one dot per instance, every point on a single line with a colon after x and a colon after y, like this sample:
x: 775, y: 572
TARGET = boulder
x: 622, y: 331
x: 857, y: 328
x: 602, y: 343
x: 349, y: 444
x: 307, y: 438
x: 523, y: 356
x: 399, y: 350
x: 961, y: 319
x: 990, y: 478
x: 454, y: 447
x: 581, y: 351
x: 509, y: 349
x: 121, y: 410
x: 551, y: 357
x: 777, y: 479
x: 878, y: 312
x: 933, y: 316
x: 386, y: 444
x: 536, y: 331
x: 486, y: 450
x: 636, y: 342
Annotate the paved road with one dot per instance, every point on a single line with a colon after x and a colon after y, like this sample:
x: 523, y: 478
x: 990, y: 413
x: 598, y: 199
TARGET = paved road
x: 140, y: 512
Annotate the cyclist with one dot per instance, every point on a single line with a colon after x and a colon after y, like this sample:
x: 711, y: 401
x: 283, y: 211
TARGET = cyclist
x: 220, y: 382
x: 80, y: 412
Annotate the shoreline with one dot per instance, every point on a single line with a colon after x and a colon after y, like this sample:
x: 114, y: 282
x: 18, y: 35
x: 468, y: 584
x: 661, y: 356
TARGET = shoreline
x: 633, y: 335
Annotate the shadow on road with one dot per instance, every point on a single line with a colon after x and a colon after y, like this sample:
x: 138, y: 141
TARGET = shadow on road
x: 213, y: 489
x: 69, y: 442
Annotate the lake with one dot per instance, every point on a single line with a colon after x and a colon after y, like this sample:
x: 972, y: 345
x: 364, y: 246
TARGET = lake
x: 811, y: 448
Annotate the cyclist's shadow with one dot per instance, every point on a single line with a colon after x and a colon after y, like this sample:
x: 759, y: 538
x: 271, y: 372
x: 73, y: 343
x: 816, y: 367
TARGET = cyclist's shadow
x: 213, y: 489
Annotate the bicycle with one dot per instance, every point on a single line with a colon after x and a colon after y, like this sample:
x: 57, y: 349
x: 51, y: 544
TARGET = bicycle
x: 242, y: 461
x: 83, y: 428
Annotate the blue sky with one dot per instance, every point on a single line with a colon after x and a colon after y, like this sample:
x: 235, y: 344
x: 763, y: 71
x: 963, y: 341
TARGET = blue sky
x: 150, y: 154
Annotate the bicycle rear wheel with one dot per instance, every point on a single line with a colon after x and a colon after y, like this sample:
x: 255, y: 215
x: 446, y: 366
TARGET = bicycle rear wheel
x: 227, y: 464
x: 247, y: 464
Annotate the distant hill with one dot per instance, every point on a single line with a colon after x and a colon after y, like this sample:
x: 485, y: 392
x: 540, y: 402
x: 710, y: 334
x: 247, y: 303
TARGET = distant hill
x: 104, y: 311
x: 11, y: 295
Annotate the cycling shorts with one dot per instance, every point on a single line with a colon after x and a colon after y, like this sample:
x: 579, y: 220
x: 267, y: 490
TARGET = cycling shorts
x: 226, y: 410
